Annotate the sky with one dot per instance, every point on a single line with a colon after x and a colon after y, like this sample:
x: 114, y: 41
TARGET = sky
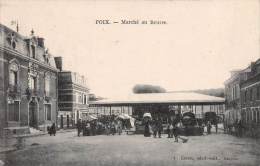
x: 201, y: 43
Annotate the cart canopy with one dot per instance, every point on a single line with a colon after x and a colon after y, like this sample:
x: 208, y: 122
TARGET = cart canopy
x: 147, y: 115
x: 89, y: 118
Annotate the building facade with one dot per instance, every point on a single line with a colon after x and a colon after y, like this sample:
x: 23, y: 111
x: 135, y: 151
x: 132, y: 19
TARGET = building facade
x: 232, y: 93
x: 28, y: 83
x: 232, y: 89
x: 73, y: 98
x: 242, y: 94
x: 250, y: 98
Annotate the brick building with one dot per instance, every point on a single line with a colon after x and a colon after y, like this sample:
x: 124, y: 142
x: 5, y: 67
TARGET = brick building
x: 73, y: 96
x: 28, y: 83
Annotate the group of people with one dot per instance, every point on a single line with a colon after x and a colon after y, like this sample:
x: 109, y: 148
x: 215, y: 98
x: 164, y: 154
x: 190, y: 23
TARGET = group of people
x: 173, y: 130
x: 95, y: 127
x: 87, y: 127
x: 114, y: 127
x: 155, y: 127
x: 52, y: 129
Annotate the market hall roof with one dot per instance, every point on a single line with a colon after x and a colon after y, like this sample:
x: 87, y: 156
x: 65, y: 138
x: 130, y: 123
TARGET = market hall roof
x: 149, y: 98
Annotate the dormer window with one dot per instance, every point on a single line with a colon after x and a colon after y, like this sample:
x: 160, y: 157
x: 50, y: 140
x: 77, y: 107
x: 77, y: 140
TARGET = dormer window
x: 12, y: 40
x: 46, y: 56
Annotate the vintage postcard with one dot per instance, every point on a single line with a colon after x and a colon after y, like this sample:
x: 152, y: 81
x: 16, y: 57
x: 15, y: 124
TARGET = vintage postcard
x: 129, y: 82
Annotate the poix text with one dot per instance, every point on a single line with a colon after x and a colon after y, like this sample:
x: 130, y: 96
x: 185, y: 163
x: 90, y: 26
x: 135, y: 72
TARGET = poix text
x: 134, y: 21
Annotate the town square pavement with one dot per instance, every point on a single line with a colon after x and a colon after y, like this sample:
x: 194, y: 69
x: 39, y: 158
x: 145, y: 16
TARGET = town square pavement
x: 125, y: 150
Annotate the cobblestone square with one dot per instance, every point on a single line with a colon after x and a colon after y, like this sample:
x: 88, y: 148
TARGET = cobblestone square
x: 123, y: 150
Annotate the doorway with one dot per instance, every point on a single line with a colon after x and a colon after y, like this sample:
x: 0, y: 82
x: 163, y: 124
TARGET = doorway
x: 33, y: 113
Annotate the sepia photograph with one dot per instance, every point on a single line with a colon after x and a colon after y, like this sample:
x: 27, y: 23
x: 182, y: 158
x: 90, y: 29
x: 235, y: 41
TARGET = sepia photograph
x: 129, y: 83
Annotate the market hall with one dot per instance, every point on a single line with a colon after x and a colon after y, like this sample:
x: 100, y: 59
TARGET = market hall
x: 158, y: 104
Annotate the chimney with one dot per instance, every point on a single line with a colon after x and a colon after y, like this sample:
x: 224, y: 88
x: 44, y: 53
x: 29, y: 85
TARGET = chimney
x: 58, y: 62
x: 41, y: 42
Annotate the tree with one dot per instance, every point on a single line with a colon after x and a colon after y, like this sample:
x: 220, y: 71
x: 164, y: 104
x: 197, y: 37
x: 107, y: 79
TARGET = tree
x: 144, y: 88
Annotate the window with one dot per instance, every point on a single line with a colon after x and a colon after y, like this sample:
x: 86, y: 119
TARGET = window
x: 258, y: 93
x: 13, y: 110
x: 13, y: 74
x: 13, y: 77
x: 76, y: 96
x: 13, y: 44
x: 247, y: 115
x: 79, y: 98
x: 255, y: 115
x: 48, y: 112
x: 12, y: 40
x: 251, y: 95
x: 85, y: 99
x: 32, y: 83
x: 237, y: 91
x: 245, y: 95
x: 47, y: 86
x: 252, y: 115
x: 33, y: 51
x: 234, y: 90
x: 66, y: 98
x: 258, y: 116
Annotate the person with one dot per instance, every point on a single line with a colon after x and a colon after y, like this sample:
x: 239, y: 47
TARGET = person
x: 240, y: 126
x: 113, y: 127
x: 83, y: 127
x: 168, y: 129
x: 183, y: 138
x: 107, y: 128
x: 171, y: 130
x: 147, y: 132
x: 175, y: 132
x: 216, y: 127
x: 52, y: 129
x: 79, y: 127
x: 93, y: 128
x: 119, y: 127
x: 87, y: 128
x: 155, y: 129
x: 208, y: 127
x: 160, y: 127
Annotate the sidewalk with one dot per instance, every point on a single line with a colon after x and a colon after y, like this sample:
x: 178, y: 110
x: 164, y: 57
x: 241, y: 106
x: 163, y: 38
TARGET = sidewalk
x: 16, y: 142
